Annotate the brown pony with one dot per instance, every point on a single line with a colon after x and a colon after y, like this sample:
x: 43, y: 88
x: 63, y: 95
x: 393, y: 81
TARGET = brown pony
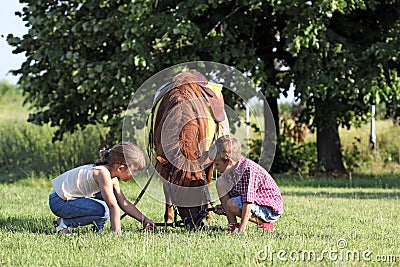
x: 186, y: 120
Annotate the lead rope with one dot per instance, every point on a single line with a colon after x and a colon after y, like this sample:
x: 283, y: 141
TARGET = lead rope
x: 141, y: 193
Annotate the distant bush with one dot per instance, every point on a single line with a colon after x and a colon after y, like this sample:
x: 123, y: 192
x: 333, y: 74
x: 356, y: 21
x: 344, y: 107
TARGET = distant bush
x: 292, y: 155
x: 27, y: 150
x: 356, y: 147
x: 5, y: 87
x: 298, y: 149
x: 388, y: 143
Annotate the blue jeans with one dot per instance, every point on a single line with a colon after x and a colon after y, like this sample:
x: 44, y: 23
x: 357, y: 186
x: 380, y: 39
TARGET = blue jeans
x: 80, y: 211
x: 265, y: 213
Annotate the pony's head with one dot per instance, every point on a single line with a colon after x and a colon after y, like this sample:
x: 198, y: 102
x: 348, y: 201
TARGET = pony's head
x: 188, y: 77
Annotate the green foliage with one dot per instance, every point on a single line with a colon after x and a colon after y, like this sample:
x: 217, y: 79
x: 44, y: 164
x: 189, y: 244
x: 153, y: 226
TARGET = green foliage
x: 285, y: 109
x: 356, y: 146
x: 85, y: 79
x: 300, y: 158
x: 5, y: 87
x: 105, y: 50
x: 352, y: 154
x: 11, y: 108
x: 291, y: 156
x: 296, y: 157
x: 333, y: 42
x: 26, y: 150
x: 388, y: 149
x: 255, y: 144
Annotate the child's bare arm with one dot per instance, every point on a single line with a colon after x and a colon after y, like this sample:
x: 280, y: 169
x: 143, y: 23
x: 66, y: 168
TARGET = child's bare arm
x: 130, y: 209
x: 102, y: 177
x: 245, y: 216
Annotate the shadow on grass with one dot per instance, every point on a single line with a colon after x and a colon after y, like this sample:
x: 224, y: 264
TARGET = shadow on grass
x: 349, y: 195
x: 209, y: 230
x: 26, y: 224
x: 44, y: 226
x: 385, y: 181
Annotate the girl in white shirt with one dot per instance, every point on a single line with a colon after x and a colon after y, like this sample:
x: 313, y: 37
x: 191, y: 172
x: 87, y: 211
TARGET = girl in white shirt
x: 91, y: 194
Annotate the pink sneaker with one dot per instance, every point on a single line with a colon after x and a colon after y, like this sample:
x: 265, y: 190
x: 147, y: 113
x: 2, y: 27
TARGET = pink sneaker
x: 233, y: 227
x: 267, y: 226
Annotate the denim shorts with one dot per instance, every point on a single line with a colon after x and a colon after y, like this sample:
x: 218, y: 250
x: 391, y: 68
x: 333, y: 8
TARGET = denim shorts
x: 265, y: 213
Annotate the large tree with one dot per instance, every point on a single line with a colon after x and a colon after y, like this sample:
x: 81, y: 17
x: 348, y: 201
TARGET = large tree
x: 346, y: 53
x: 85, y: 59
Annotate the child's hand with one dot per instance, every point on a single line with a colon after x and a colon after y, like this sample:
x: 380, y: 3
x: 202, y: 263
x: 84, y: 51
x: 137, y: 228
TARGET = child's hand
x: 219, y: 210
x: 117, y: 231
x: 148, y: 224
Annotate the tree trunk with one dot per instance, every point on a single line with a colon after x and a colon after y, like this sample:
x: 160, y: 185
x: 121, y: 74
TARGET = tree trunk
x: 328, y: 140
x: 271, y: 152
x: 273, y: 105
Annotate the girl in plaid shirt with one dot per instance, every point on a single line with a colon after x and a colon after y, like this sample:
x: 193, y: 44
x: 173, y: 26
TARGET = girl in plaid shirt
x: 245, y: 189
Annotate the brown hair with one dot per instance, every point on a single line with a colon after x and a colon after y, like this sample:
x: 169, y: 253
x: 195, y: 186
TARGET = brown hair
x: 226, y: 146
x: 123, y: 153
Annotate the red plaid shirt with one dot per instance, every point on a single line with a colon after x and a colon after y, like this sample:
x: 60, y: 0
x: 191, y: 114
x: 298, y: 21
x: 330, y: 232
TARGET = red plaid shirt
x: 255, y: 185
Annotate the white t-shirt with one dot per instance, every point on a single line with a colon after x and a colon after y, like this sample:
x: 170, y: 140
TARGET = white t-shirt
x: 77, y: 183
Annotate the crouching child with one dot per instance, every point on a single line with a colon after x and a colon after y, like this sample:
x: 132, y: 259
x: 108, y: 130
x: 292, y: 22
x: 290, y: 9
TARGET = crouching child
x: 245, y: 189
x: 91, y: 194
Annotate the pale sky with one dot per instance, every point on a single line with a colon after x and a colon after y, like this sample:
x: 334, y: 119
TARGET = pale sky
x: 9, y: 23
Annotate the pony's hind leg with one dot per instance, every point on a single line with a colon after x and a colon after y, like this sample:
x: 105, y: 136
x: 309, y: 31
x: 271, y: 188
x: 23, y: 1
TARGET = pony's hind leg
x: 169, y: 210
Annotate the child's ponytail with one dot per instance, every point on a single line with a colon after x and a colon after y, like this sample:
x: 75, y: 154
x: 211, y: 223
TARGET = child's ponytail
x: 104, y: 157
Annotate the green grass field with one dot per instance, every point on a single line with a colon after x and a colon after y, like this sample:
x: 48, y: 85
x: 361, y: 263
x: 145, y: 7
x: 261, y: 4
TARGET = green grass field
x: 327, y: 222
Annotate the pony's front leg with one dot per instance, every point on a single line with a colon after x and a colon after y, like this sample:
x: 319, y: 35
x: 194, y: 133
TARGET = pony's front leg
x: 169, y: 211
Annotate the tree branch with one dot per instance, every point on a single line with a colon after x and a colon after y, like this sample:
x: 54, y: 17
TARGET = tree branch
x: 224, y: 18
